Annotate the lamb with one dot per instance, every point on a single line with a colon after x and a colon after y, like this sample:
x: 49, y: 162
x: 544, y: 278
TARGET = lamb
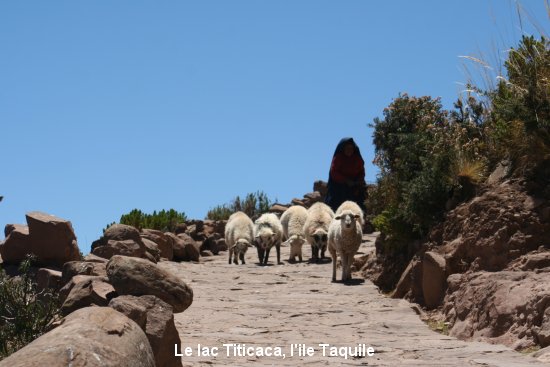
x: 344, y: 237
x: 319, y: 216
x: 239, y: 236
x: 268, y: 232
x: 293, y: 220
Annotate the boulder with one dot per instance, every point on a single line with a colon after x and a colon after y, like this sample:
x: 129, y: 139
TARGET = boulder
x: 48, y: 279
x: 120, y: 232
x: 321, y: 187
x: 72, y: 268
x: 90, y: 292
x: 66, y: 289
x: 131, y: 307
x: 211, y: 244
x: 94, y: 259
x: 278, y: 208
x: 138, y: 277
x: 433, y: 279
x: 163, y: 242
x: 151, y: 249
x: 157, y: 319
x: 50, y: 238
x: 500, y: 307
x: 185, y: 248
x: 111, y: 248
x: 91, y: 336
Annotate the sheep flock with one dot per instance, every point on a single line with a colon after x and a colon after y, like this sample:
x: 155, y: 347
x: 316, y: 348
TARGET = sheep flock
x: 340, y: 233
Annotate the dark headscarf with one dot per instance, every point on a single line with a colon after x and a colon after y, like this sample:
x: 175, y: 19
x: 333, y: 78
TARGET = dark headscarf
x: 343, y: 142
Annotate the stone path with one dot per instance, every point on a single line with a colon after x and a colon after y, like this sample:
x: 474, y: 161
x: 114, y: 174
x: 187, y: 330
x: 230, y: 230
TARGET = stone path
x: 280, y: 305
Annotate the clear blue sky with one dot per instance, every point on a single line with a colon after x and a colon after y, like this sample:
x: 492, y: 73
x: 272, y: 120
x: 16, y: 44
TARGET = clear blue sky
x: 106, y: 106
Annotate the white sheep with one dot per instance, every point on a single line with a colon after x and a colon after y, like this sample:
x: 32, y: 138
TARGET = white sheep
x: 293, y: 220
x: 319, y: 216
x: 239, y: 236
x: 344, y: 237
x: 268, y: 232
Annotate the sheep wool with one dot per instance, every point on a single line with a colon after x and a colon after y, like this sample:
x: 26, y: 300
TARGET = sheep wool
x: 293, y: 220
x: 319, y: 217
x: 239, y: 236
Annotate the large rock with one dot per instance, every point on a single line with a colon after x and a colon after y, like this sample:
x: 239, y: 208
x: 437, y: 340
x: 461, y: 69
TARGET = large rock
x: 48, y: 279
x: 111, y: 248
x: 66, y: 289
x: 433, y: 279
x: 152, y: 250
x: 119, y: 239
x: 163, y: 242
x: 185, y: 247
x: 211, y: 244
x: 158, y: 325
x: 90, y: 292
x: 72, y: 268
x: 50, y: 238
x: 92, y: 336
x: 138, y: 277
x: 507, y: 307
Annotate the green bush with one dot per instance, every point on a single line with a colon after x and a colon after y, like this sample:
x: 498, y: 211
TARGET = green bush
x: 253, y: 204
x: 25, y: 313
x: 164, y: 220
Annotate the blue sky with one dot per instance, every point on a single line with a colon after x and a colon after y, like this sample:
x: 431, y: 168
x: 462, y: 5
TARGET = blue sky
x: 108, y: 106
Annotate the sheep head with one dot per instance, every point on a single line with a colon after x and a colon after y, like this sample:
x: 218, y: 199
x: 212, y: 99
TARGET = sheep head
x: 347, y: 218
x: 320, y: 238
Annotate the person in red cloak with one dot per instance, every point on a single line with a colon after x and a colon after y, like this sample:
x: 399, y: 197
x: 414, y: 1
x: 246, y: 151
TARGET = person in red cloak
x: 347, y: 175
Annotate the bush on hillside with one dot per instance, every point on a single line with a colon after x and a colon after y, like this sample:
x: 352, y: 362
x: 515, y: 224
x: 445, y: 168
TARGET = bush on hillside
x: 164, y: 220
x: 25, y: 312
x: 254, y: 204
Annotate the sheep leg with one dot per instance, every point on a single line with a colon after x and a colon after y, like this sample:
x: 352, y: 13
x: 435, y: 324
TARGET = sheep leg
x: 230, y: 255
x: 267, y: 250
x: 323, y: 252
x: 260, y: 255
x: 278, y: 249
x: 334, y: 258
x: 344, y: 267
x: 242, y: 258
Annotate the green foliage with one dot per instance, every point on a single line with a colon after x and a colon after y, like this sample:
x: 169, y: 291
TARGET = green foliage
x: 253, y: 204
x: 25, y: 313
x: 164, y: 220
x: 431, y: 159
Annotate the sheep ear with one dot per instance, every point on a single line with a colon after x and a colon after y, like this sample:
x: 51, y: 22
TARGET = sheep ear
x: 338, y: 217
x: 250, y: 245
x: 232, y: 247
x: 356, y: 216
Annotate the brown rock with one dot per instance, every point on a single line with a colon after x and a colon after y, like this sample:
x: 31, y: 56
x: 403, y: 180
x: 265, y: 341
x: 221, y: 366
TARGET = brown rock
x: 92, y: 336
x: 161, y: 331
x: 72, y: 268
x: 156, y: 318
x: 321, y: 187
x: 185, y: 248
x: 94, y: 259
x: 152, y: 249
x: 131, y: 307
x: 210, y: 244
x: 206, y: 253
x: 278, y: 208
x: 90, y: 292
x: 50, y: 238
x: 433, y: 278
x: 138, y: 277
x: 48, y: 279
x: 500, y: 307
x: 66, y: 289
x: 163, y: 242
x: 111, y: 248
x: 121, y: 232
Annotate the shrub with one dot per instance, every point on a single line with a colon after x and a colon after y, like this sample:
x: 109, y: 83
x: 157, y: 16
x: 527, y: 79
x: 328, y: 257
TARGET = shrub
x: 25, y: 312
x: 164, y: 220
x: 254, y: 204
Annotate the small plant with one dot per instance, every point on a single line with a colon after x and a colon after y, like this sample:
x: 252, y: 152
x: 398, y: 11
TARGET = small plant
x: 253, y: 205
x: 25, y: 312
x: 164, y: 220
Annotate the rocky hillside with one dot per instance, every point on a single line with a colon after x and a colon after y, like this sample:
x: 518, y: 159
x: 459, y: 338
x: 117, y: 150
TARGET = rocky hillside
x: 485, y: 270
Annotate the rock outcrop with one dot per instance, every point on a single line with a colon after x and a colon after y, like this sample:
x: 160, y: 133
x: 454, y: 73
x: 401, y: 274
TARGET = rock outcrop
x: 91, y: 336
x: 137, y: 277
x: 49, y: 238
x: 119, y: 239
